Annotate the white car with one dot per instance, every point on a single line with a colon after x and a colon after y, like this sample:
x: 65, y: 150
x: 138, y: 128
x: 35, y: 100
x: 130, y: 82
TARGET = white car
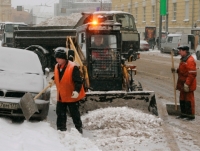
x: 21, y: 72
x: 144, y: 45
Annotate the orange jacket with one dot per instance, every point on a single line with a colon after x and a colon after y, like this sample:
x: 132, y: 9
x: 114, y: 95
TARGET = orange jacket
x: 187, y: 74
x: 65, y: 86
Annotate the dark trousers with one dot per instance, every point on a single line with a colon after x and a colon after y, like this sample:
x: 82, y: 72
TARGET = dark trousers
x: 61, y: 111
x: 187, y: 103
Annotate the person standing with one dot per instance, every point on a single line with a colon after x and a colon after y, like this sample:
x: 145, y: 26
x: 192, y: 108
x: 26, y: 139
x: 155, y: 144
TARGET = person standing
x: 69, y: 90
x: 186, y: 83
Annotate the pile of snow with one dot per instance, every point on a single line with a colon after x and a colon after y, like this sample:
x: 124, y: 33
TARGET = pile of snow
x: 121, y: 128
x: 30, y: 136
x: 62, y: 20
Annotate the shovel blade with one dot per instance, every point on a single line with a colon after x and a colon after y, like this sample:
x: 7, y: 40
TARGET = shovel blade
x: 28, y: 106
x: 171, y: 110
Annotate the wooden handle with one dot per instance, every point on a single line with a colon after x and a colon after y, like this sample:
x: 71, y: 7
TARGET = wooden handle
x: 42, y: 91
x: 174, y: 80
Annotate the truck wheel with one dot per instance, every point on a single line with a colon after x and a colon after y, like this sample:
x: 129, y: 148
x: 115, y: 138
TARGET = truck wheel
x: 42, y: 59
x: 162, y: 50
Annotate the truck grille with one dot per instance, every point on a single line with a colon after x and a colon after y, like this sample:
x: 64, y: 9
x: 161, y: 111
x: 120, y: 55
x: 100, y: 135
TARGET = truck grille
x: 105, y: 63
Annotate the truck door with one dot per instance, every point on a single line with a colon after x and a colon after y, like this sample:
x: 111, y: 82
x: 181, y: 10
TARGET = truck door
x: 191, y: 41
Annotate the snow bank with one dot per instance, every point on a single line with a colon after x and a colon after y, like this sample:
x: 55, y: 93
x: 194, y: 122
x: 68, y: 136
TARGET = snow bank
x: 122, y: 127
x: 62, y: 20
x: 30, y: 136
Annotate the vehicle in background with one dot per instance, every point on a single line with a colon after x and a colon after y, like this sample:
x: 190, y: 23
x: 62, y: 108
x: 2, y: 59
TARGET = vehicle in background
x: 7, y: 30
x: 150, y: 36
x: 175, y: 40
x: 130, y: 35
x: 21, y: 72
x: 196, y: 33
x: 43, y: 40
x: 144, y: 45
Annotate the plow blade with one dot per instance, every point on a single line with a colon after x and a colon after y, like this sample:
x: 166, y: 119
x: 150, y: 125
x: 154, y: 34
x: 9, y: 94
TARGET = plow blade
x: 142, y: 100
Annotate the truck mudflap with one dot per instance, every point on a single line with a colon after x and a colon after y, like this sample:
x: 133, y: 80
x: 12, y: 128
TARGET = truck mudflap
x: 141, y: 100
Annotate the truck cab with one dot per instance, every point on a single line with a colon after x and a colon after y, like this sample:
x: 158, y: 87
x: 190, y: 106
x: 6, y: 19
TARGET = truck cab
x: 129, y: 34
x: 7, y: 30
x: 103, y: 60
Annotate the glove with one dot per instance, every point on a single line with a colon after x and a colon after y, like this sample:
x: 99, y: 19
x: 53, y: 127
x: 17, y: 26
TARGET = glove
x: 186, y: 88
x: 51, y: 83
x: 173, y: 70
x: 75, y: 94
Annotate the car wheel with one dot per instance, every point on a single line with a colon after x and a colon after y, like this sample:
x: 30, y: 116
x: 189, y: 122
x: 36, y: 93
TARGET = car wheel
x: 43, y: 59
x: 162, y: 50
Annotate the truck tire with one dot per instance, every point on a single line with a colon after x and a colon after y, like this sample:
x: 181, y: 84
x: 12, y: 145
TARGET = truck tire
x: 162, y: 50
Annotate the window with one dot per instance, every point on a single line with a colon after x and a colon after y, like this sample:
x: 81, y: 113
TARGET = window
x: 153, y: 13
x: 126, y: 20
x: 199, y: 12
x: 174, y: 11
x: 136, y: 11
x: 144, y: 14
x: 63, y: 10
x: 129, y: 7
x: 186, y: 10
x: 136, y: 14
x: 122, y: 7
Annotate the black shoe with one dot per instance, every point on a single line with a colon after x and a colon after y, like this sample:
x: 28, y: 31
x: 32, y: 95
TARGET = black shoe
x: 190, y: 118
x: 181, y: 117
x: 62, y: 129
x: 80, y: 130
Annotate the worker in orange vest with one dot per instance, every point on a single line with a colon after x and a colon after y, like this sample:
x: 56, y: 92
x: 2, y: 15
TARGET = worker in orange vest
x: 70, y: 90
x: 186, y: 83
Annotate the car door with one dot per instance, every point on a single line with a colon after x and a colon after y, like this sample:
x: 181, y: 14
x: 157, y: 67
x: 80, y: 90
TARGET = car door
x: 167, y: 47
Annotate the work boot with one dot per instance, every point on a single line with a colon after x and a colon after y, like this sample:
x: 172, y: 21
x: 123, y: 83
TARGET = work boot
x: 181, y: 116
x: 190, y: 118
x: 80, y: 130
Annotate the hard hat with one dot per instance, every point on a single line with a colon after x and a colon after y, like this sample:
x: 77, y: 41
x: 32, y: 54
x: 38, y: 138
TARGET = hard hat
x: 183, y: 48
x: 60, y: 52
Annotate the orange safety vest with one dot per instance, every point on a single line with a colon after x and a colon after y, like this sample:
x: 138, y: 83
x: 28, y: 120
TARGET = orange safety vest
x: 66, y: 86
x: 187, y: 73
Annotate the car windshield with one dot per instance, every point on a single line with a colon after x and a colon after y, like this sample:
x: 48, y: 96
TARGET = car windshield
x: 23, y: 61
x: 104, y: 41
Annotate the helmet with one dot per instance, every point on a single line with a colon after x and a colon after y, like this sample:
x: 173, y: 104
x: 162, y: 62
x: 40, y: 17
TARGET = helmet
x: 60, y: 52
x: 183, y: 48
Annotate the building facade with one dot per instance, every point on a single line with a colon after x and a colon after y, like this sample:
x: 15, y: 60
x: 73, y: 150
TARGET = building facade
x: 182, y: 15
x: 67, y: 7
x: 5, y: 10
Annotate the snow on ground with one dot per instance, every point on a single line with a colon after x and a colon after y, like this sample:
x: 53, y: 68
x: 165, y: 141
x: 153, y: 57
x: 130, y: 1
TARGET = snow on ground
x: 123, y: 129
x: 30, y: 136
x: 119, y: 129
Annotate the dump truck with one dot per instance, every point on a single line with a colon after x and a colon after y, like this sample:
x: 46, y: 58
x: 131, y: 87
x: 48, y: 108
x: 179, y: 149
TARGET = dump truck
x: 44, y: 39
x: 108, y: 78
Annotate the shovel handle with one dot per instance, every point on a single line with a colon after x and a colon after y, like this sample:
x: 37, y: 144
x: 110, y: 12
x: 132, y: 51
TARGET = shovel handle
x: 42, y: 92
x: 172, y: 58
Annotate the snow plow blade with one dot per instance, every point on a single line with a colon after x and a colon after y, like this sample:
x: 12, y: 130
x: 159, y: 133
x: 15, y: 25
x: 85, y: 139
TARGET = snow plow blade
x: 142, y: 100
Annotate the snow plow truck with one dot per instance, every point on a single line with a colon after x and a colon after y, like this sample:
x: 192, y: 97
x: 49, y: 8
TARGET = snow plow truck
x: 107, y: 72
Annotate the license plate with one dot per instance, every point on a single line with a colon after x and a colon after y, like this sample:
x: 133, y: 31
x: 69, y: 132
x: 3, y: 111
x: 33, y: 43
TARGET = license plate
x: 8, y: 105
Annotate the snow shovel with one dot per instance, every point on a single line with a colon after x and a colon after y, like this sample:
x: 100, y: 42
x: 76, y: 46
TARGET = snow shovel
x: 27, y: 103
x: 171, y: 108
